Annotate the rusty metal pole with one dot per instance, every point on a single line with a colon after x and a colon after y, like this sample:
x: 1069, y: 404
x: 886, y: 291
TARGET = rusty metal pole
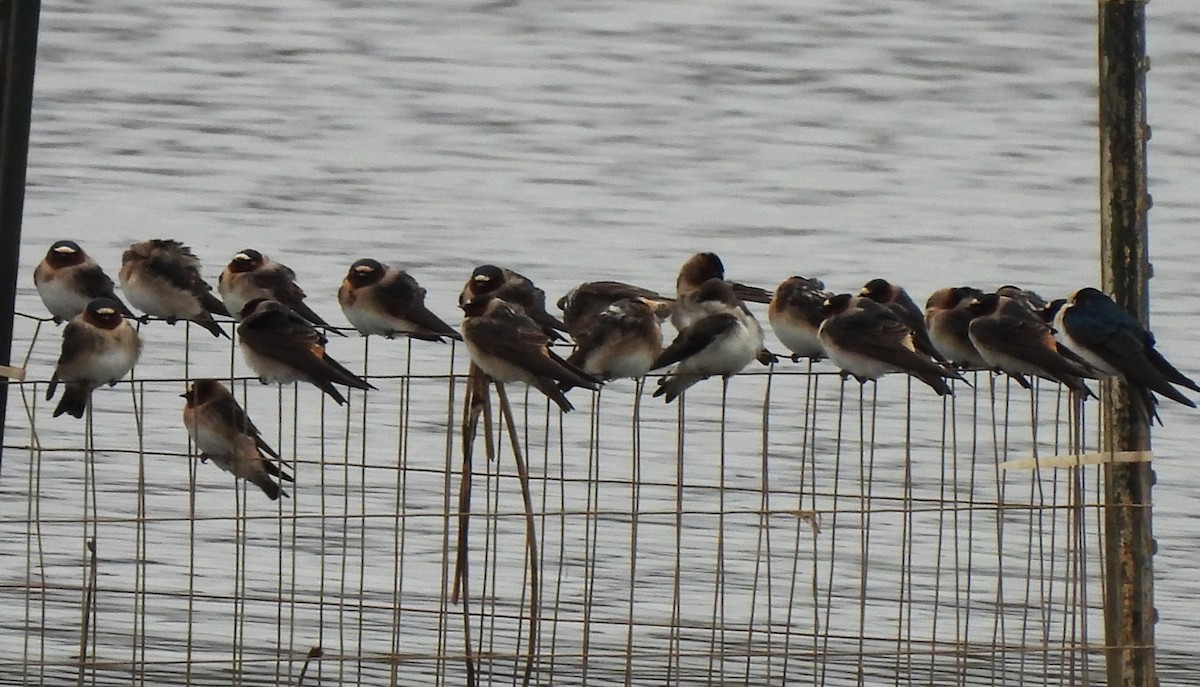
x: 18, y: 49
x: 1129, y: 613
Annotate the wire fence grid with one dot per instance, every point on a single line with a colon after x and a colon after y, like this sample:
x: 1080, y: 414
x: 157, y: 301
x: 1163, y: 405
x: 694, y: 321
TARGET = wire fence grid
x: 788, y: 527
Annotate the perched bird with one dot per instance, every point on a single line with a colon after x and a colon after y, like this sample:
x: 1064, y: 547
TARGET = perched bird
x: 1015, y: 340
x: 721, y: 339
x: 225, y: 435
x: 98, y: 347
x: 622, y: 340
x: 584, y: 302
x: 68, y: 279
x: 899, y: 302
x: 382, y: 300
x: 508, y: 346
x: 282, y: 347
x: 796, y: 313
x: 1029, y: 299
x: 694, y: 272
x: 514, y: 289
x: 251, y: 275
x: 947, y: 319
x: 1115, y: 343
x: 868, y: 340
x: 162, y: 278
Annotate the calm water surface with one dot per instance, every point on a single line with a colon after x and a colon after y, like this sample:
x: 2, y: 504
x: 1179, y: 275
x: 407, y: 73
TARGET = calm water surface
x: 930, y: 143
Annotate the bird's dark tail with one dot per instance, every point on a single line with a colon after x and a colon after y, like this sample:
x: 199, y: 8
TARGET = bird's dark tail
x: 1145, y: 403
x: 307, y: 313
x: 213, y: 305
x: 276, y: 471
x: 569, y: 373
x: 269, y: 487
x: 211, y: 325
x: 935, y: 382
x: 1169, y: 371
x: 673, y: 385
x: 547, y: 386
x: 347, y: 377
x: 74, y: 401
x: 1077, y: 385
x: 328, y: 387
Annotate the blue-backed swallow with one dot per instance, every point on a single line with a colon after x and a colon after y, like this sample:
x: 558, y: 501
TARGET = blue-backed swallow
x: 1115, y: 343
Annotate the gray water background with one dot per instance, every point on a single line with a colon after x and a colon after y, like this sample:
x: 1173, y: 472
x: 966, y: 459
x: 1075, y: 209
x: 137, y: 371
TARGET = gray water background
x: 934, y: 144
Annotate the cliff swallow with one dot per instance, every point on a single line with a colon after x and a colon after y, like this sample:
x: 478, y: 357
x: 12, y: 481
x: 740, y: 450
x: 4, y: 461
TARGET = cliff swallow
x: 694, y: 272
x: 98, y: 347
x: 722, y: 338
x: 584, y: 302
x: 508, y: 346
x: 161, y: 278
x: 868, y: 340
x: 514, y: 289
x: 1115, y: 343
x: 282, y: 347
x: 224, y: 434
x: 622, y: 340
x: 899, y: 302
x: 1014, y: 340
x: 947, y: 319
x: 796, y: 313
x: 386, y: 301
x: 251, y: 275
x: 68, y: 279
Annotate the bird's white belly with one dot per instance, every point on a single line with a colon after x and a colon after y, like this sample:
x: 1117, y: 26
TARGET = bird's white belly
x: 1078, y: 349
x: 159, y: 299
x: 214, y: 443
x: 954, y: 350
x: 798, y: 339
x: 498, y: 368
x: 236, y: 301
x: 1008, y: 363
x: 728, y: 354
x: 621, y: 364
x: 270, y: 370
x: 374, y: 323
x: 113, y: 360
x: 60, y: 300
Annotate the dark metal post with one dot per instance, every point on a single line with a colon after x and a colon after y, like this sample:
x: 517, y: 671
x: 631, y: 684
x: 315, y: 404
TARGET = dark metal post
x: 18, y: 31
x: 1129, y: 613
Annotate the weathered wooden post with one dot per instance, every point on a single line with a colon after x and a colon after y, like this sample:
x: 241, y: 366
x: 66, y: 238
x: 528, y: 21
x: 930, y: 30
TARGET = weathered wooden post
x: 18, y: 50
x: 1129, y: 613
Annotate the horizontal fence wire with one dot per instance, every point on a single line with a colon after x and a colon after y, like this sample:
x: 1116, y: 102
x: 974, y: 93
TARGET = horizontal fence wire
x: 788, y: 527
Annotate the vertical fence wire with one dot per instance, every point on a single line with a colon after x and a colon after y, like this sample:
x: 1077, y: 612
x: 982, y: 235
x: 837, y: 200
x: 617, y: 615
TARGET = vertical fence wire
x: 762, y: 531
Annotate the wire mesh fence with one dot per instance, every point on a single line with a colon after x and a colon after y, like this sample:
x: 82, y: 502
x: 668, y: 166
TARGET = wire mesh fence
x: 787, y: 527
